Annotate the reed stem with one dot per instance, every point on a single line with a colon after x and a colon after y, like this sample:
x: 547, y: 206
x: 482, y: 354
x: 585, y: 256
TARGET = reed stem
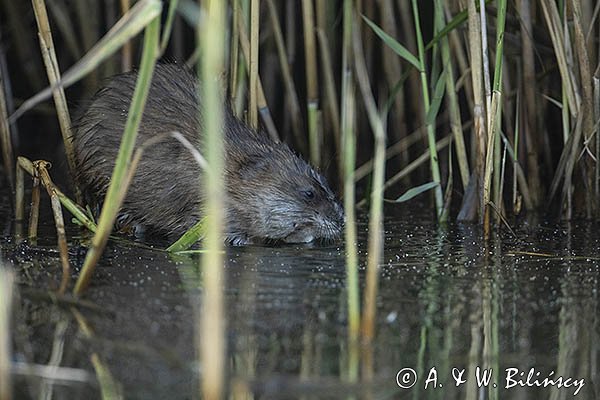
x: 60, y: 101
x: 253, y: 63
x: 349, y: 156
x: 111, y: 204
x: 376, y: 211
x: 211, y: 333
x: 441, y: 214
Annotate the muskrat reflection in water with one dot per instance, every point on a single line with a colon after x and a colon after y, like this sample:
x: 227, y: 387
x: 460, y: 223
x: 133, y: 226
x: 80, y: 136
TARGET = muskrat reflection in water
x: 271, y: 193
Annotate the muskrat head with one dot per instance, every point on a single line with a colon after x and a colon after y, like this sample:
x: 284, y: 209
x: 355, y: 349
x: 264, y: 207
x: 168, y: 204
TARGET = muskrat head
x: 279, y: 197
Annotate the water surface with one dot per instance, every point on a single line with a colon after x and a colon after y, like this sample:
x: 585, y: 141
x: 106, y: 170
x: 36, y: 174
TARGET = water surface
x: 448, y: 304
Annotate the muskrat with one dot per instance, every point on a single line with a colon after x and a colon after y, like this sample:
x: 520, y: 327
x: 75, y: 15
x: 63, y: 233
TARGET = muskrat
x: 271, y: 193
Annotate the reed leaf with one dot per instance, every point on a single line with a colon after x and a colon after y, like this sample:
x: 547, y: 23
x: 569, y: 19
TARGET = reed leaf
x: 415, y: 191
x: 436, y: 100
x: 189, y: 238
x: 394, y: 44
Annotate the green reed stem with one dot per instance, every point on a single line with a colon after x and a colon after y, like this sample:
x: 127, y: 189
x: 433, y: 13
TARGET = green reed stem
x: 492, y: 152
x: 434, y: 164
x: 168, y: 27
x: 497, y: 86
x: 111, y: 204
x: 348, y: 128
x: 376, y: 211
x: 211, y: 333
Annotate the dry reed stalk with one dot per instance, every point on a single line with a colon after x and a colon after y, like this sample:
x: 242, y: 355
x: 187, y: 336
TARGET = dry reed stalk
x: 34, y: 212
x: 400, y: 147
x: 261, y: 100
x: 127, y: 50
x: 21, y: 35
x: 112, y: 66
x: 253, y: 63
x: 211, y: 333
x: 8, y: 156
x: 330, y: 98
x: 490, y: 156
x: 89, y: 32
x: 19, y: 194
x: 530, y: 109
x: 587, y: 109
x: 514, y: 203
x: 479, y: 124
x: 312, y: 82
x: 25, y: 165
x: 41, y: 174
x: 487, y: 86
x: 288, y: 80
x: 597, y: 118
x: 60, y: 15
x: 234, y: 57
x: 127, y: 27
x: 557, y: 34
x: 53, y: 72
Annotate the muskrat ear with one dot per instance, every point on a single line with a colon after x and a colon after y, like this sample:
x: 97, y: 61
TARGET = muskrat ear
x: 252, y: 166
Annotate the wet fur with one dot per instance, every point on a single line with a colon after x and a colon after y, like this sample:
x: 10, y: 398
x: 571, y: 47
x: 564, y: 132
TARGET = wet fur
x: 265, y: 182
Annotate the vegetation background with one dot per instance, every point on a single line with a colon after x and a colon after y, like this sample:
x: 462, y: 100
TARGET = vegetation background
x: 432, y: 82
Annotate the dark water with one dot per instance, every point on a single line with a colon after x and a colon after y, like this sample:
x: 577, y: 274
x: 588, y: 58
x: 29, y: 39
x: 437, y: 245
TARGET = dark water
x: 448, y: 304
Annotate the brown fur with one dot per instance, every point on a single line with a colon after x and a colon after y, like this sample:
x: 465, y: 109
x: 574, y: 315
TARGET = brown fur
x: 267, y: 186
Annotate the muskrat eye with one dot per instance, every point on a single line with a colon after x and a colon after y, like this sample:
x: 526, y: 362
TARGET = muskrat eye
x: 308, y: 194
